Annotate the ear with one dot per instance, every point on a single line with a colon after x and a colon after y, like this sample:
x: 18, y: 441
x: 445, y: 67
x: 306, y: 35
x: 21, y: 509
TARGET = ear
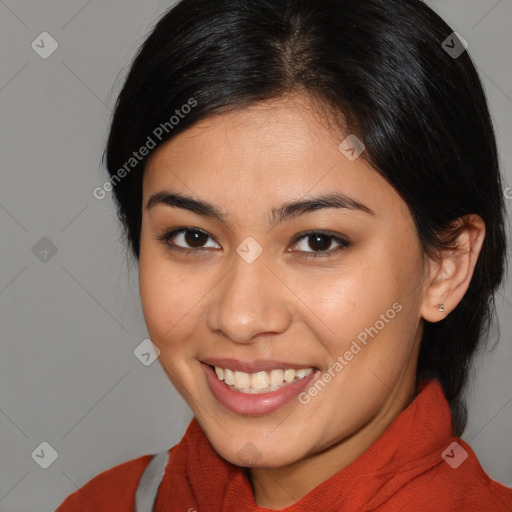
x: 450, y: 276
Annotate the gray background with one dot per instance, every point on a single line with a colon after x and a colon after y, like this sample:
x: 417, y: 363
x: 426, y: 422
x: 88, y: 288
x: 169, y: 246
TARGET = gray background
x: 70, y: 324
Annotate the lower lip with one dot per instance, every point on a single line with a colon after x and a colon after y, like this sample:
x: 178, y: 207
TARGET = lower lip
x: 254, y: 405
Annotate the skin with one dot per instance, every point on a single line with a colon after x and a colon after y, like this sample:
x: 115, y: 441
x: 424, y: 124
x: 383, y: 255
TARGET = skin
x: 284, y: 305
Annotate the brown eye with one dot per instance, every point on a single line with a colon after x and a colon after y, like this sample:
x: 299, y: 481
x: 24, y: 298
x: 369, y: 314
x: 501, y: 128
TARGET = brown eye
x: 187, y: 238
x: 320, y: 242
x: 195, y: 238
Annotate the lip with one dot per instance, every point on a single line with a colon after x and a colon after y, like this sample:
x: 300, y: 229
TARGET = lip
x: 254, y: 405
x: 258, y: 365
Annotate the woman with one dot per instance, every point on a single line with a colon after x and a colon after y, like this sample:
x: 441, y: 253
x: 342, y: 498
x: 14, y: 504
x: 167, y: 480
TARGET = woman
x: 311, y: 191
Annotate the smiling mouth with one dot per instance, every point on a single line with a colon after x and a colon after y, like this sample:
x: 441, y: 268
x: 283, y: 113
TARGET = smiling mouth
x: 262, y: 381
x: 257, y: 387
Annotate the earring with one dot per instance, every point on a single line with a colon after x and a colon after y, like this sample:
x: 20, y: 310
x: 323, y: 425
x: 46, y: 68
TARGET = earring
x: 440, y: 307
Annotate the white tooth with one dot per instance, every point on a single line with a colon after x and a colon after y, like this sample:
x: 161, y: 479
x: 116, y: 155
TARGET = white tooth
x: 228, y: 376
x: 259, y: 380
x: 303, y: 372
x: 242, y: 380
x: 289, y: 375
x: 276, y: 377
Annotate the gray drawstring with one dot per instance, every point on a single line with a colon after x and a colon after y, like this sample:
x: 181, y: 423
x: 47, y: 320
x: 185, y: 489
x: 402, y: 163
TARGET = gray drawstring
x: 149, y: 482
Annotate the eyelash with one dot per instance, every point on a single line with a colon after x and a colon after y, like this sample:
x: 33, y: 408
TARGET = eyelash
x: 166, y: 240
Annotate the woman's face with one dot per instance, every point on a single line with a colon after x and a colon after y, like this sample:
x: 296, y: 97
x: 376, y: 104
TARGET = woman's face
x: 255, y: 289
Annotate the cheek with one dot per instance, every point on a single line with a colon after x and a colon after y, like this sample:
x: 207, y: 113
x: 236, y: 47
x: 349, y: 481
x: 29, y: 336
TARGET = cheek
x: 167, y: 299
x: 369, y: 311
x: 353, y: 298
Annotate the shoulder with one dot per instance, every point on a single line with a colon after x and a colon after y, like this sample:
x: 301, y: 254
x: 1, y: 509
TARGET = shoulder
x: 477, y: 484
x: 113, y: 489
x: 462, y: 485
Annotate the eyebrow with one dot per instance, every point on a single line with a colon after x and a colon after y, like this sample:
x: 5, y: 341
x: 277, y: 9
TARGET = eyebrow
x: 280, y: 214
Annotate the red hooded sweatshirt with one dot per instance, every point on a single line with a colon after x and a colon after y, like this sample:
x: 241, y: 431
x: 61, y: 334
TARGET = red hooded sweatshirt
x: 416, y: 465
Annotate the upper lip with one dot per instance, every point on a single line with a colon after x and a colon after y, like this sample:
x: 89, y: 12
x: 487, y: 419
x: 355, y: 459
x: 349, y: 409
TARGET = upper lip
x: 257, y: 365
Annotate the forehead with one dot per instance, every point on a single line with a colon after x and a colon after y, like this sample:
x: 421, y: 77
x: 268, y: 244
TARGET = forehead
x: 267, y: 153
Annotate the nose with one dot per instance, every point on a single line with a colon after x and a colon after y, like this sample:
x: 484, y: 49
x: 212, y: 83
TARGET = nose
x: 250, y: 302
